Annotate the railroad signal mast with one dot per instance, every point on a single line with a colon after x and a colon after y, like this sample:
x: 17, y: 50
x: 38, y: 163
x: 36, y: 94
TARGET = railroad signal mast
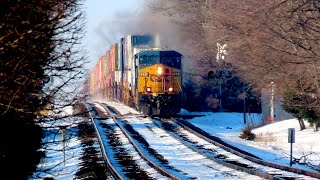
x: 221, y: 52
x: 214, y: 73
x: 219, y: 73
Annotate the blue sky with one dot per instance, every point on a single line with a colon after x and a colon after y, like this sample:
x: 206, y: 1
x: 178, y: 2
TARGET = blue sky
x: 99, y: 11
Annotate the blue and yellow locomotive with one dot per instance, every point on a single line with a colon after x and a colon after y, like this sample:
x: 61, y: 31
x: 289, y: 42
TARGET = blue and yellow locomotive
x: 158, y: 82
x: 137, y: 72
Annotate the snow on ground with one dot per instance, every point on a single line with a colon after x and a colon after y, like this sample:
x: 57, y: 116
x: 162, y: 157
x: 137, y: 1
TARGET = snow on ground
x: 61, y: 112
x: 306, y: 141
x: 59, y: 122
x: 271, y: 143
x: 272, y: 139
x: 129, y: 148
x: 63, y: 149
x: 181, y: 157
x: 61, y: 161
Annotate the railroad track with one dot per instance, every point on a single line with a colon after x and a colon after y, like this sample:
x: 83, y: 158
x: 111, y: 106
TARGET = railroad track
x: 210, y: 154
x: 210, y: 138
x: 229, y: 156
x: 142, y: 141
x: 157, y: 161
x: 92, y: 112
x: 123, y: 156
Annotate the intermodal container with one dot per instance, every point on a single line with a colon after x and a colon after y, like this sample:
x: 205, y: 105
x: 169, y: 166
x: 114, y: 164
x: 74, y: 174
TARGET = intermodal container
x: 113, y: 56
x: 91, y: 83
x: 101, y: 74
x: 96, y: 79
x: 127, y: 52
x: 119, y: 66
x: 106, y: 69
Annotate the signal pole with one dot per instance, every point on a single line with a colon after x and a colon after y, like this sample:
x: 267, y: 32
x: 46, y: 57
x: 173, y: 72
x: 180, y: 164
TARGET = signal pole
x: 272, y: 102
x: 220, y: 57
x: 220, y: 95
x: 244, y: 104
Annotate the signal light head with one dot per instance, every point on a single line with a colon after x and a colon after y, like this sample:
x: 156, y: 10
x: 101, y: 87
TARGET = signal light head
x: 211, y: 74
x: 170, y: 89
x: 148, y: 89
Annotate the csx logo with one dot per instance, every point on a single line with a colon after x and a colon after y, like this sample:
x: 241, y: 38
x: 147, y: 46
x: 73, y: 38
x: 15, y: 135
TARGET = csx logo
x: 155, y: 78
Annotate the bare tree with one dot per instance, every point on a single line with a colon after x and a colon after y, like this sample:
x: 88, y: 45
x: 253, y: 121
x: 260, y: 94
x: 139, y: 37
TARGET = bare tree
x: 267, y: 41
x: 40, y: 61
x: 202, y: 26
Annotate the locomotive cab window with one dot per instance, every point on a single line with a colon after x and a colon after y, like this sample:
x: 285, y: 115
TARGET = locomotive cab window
x: 172, y: 61
x: 148, y: 60
x: 151, y: 57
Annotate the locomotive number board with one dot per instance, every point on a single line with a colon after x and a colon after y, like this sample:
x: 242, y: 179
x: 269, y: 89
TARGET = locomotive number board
x: 176, y: 74
x: 144, y: 74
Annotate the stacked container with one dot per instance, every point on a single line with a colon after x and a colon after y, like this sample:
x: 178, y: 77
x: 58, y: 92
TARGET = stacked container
x: 91, y: 84
x: 101, y: 76
x: 107, y: 75
x: 120, y: 69
x: 113, y: 77
x: 96, y: 80
x: 113, y: 60
x: 133, y: 44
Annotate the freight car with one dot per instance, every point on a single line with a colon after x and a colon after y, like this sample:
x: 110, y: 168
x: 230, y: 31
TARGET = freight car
x: 141, y: 74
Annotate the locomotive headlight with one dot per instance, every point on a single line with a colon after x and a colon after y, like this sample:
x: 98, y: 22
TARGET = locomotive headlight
x: 170, y: 89
x: 148, y: 89
x: 159, y: 70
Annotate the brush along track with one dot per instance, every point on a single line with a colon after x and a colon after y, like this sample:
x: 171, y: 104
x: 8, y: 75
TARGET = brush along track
x: 214, y: 150
x: 124, y: 150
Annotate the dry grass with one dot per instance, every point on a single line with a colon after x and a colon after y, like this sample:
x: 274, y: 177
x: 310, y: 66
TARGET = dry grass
x: 247, y: 133
x: 265, y: 138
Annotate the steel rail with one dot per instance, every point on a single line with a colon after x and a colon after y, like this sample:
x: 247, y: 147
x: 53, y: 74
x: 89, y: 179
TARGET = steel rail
x: 126, y: 133
x: 113, y: 170
x: 204, y: 135
x: 219, y: 161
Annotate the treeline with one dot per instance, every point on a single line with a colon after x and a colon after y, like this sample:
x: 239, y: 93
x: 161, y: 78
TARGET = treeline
x: 267, y: 41
x: 39, y: 59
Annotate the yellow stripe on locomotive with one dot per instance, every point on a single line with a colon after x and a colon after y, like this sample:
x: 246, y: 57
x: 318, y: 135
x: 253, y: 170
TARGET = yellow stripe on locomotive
x: 159, y: 79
